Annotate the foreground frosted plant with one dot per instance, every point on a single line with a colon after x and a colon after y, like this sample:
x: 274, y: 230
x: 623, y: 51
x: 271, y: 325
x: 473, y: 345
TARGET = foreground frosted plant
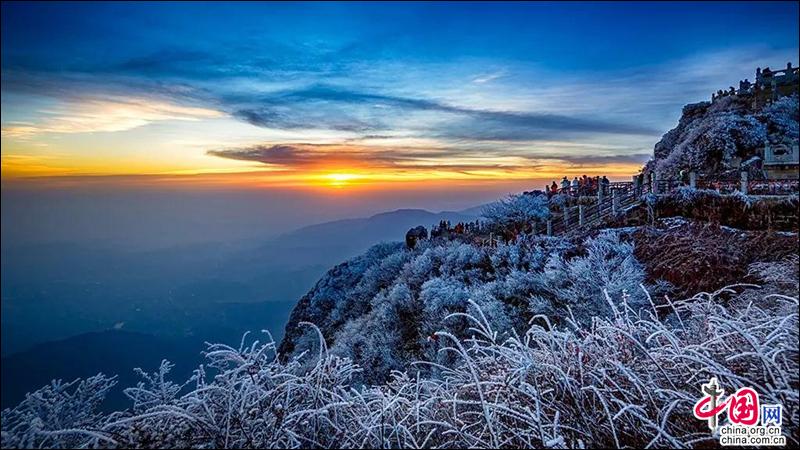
x: 626, y: 380
x: 61, y: 414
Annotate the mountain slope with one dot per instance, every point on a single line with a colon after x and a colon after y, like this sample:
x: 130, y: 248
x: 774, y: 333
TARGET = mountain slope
x: 382, y: 308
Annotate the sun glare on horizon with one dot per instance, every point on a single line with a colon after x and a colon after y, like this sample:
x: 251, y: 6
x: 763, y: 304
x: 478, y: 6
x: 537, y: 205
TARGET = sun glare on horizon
x: 341, y: 180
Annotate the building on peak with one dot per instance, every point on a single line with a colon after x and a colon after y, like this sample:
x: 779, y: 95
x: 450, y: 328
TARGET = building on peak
x: 768, y: 86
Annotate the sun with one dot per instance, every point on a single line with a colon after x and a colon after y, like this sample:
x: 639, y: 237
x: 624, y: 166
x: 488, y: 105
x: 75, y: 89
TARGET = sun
x: 340, y: 180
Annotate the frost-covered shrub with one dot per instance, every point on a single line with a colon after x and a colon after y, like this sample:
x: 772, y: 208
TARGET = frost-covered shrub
x: 630, y: 380
x: 783, y: 118
x: 688, y: 197
x: 517, y: 212
x: 155, y: 390
x: 332, y: 301
x: 386, y: 314
x: 60, y: 415
x: 577, y: 286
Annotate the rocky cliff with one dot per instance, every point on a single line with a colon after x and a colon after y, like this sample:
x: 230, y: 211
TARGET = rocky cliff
x: 712, y: 137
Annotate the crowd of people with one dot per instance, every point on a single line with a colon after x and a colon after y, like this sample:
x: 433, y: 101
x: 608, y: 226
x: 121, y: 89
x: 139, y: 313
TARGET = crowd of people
x: 445, y: 228
x: 579, y: 186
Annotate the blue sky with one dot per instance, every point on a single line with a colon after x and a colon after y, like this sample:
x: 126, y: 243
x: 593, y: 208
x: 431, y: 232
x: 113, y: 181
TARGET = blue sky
x: 413, y: 91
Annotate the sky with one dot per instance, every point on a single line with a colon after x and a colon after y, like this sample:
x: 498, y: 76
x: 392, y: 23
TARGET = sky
x: 334, y: 94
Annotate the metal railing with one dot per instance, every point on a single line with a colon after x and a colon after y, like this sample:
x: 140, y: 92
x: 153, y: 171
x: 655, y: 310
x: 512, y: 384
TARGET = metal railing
x: 612, y: 199
x: 616, y: 198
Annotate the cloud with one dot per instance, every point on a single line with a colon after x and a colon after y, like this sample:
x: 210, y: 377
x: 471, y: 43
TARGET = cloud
x: 304, y: 155
x: 329, y: 107
x: 106, y: 115
x: 579, y: 161
x: 311, y: 157
x: 373, y: 99
x: 281, y: 154
x: 481, y: 79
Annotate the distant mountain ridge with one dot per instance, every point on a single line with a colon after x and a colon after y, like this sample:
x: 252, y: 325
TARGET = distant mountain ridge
x: 390, y: 225
x: 325, y: 244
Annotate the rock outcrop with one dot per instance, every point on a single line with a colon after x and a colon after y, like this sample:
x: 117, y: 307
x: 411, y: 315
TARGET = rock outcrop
x: 714, y: 138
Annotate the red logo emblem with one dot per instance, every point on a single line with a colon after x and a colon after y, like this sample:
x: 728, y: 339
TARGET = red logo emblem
x: 743, y: 408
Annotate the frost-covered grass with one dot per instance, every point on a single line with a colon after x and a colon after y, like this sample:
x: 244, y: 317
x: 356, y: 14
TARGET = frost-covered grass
x: 630, y: 379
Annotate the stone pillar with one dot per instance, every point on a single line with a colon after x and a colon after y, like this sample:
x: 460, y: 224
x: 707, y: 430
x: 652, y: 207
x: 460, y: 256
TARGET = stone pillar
x: 693, y: 179
x: 566, y: 218
x: 549, y: 227
x: 580, y: 215
x: 743, y: 187
x: 655, y: 183
x: 600, y: 194
x: 614, y: 202
x: 636, y: 187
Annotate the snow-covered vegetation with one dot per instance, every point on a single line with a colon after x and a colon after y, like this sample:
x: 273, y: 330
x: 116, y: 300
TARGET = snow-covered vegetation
x: 517, y: 211
x: 382, y: 309
x: 627, y: 379
x: 710, y: 135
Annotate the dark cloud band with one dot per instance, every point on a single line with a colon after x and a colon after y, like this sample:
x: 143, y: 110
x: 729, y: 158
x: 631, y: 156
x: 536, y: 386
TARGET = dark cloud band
x: 363, y: 112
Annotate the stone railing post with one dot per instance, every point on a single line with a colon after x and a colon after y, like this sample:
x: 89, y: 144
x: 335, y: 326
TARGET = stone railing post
x: 693, y: 179
x: 600, y: 195
x: 549, y: 227
x: 636, y: 187
x: 580, y: 215
x: 743, y: 187
x: 614, y: 202
x: 655, y: 183
x: 566, y: 219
